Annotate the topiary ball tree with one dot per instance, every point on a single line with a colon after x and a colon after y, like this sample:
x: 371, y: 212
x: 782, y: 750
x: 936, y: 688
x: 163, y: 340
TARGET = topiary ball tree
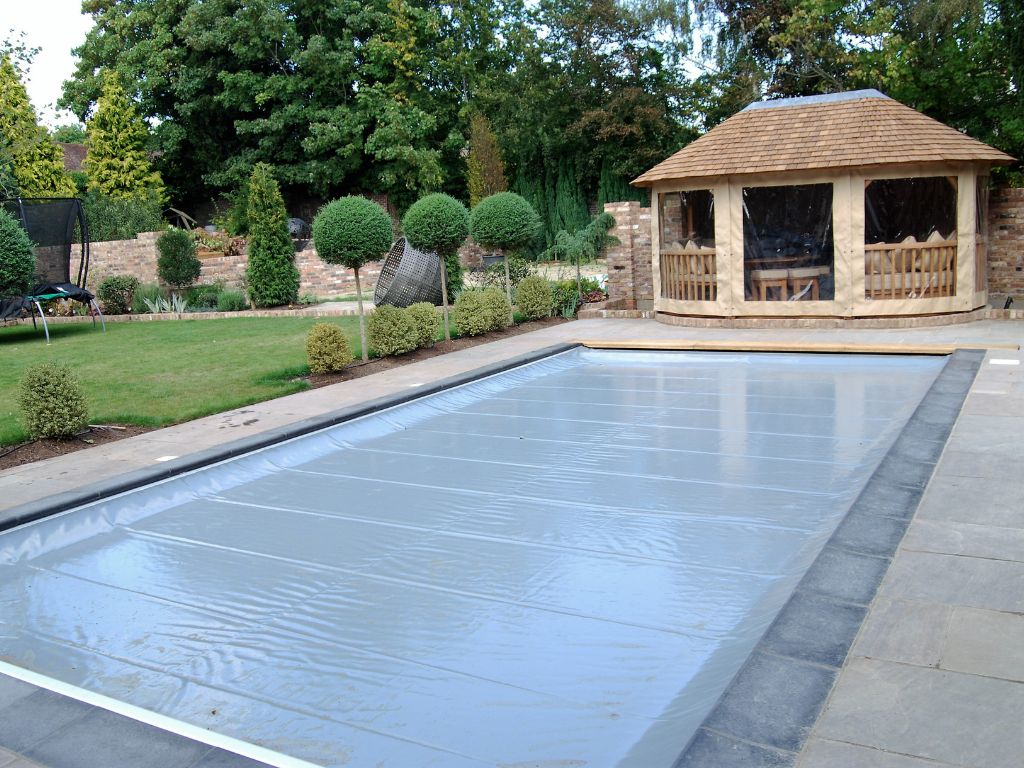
x: 17, y: 262
x: 507, y: 222
x: 439, y: 223
x: 351, y: 231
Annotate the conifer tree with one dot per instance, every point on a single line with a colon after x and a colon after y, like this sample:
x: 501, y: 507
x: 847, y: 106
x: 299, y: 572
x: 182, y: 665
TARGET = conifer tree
x: 34, y: 163
x: 272, y: 275
x: 484, y: 164
x: 116, y: 159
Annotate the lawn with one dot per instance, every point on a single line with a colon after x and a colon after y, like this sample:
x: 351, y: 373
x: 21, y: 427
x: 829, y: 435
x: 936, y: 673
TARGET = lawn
x: 163, y: 372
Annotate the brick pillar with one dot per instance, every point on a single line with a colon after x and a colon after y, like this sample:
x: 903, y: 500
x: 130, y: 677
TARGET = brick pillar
x: 630, y: 279
x: 1006, y: 242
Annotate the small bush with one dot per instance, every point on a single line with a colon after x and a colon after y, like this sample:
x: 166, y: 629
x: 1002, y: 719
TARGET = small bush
x: 566, y: 298
x: 470, y: 314
x: 534, y: 297
x: 17, y: 262
x: 177, y: 264
x: 51, y: 401
x: 518, y: 270
x: 327, y: 347
x: 147, y: 292
x: 498, y: 309
x: 232, y: 301
x: 116, y: 218
x: 204, y: 298
x: 118, y: 294
x: 391, y: 331
x: 425, y: 321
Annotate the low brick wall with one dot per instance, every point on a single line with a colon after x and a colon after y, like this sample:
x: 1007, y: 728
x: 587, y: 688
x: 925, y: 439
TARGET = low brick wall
x: 138, y: 258
x: 1006, y: 242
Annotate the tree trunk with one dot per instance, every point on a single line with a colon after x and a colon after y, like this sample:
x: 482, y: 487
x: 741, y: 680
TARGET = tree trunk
x: 508, y: 288
x: 362, y: 319
x: 444, y: 296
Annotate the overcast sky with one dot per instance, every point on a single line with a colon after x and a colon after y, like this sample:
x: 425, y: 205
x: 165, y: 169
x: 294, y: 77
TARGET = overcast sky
x: 56, y: 26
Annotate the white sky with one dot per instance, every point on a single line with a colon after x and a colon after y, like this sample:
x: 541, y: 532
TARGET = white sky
x: 56, y: 26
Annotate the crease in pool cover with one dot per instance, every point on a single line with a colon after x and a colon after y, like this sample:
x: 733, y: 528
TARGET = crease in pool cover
x: 592, y: 646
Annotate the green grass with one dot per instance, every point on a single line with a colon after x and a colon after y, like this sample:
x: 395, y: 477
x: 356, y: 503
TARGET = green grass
x: 164, y: 372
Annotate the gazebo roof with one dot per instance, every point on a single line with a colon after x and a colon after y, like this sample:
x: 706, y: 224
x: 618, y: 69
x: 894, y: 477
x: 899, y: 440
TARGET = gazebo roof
x: 840, y: 130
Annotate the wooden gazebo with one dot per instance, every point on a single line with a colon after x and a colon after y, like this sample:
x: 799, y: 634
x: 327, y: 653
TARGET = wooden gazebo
x: 845, y: 205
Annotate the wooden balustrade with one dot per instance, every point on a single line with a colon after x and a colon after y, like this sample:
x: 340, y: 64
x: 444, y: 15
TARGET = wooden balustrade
x: 689, y: 275
x: 910, y: 270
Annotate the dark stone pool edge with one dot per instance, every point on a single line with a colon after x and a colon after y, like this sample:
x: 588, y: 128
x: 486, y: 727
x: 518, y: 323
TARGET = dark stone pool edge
x: 765, y: 715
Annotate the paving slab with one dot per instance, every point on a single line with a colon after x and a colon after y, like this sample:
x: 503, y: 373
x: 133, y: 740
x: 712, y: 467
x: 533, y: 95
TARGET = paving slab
x: 964, y: 720
x: 969, y: 581
x: 971, y: 539
x: 835, y: 754
x: 907, y: 631
x: 980, y: 501
x: 989, y: 643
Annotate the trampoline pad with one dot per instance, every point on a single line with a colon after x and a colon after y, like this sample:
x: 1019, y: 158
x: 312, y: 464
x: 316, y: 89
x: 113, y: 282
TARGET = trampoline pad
x: 563, y: 564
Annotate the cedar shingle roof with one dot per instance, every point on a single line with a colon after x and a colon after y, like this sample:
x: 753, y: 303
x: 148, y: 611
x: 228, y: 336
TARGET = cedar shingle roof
x: 857, y: 128
x: 74, y: 156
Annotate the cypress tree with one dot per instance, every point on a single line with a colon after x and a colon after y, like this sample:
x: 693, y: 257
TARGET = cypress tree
x: 116, y: 159
x: 272, y: 275
x: 33, y: 162
x: 485, y: 166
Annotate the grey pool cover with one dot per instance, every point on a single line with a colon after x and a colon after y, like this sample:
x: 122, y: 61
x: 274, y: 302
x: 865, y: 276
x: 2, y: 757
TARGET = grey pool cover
x: 564, y: 564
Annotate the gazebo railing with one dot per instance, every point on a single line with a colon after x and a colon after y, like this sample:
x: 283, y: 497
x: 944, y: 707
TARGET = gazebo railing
x: 910, y: 270
x: 689, y: 275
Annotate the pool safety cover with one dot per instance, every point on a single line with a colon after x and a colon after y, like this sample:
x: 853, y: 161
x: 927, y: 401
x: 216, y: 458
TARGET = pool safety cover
x: 563, y: 564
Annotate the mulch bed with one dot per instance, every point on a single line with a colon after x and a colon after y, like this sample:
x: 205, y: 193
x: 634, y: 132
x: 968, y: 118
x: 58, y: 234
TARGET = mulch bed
x: 37, y: 450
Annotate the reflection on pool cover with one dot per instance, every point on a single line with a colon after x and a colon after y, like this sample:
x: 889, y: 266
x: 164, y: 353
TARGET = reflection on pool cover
x: 565, y: 562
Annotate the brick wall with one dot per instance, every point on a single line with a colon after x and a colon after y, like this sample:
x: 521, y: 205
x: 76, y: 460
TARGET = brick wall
x: 1006, y: 242
x: 630, y: 280
x: 138, y: 258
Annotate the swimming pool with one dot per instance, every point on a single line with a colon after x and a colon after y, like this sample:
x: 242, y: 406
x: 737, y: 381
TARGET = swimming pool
x: 565, y: 562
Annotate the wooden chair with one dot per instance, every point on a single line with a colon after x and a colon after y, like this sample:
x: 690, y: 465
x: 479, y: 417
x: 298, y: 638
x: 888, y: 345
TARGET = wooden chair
x: 765, y: 280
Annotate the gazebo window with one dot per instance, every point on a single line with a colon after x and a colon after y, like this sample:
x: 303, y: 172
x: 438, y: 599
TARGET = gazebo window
x: 910, y: 237
x: 687, y: 259
x: 787, y: 243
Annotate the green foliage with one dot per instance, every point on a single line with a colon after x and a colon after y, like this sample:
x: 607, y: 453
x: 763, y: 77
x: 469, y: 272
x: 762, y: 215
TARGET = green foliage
x: 116, y: 159
x: 392, y: 331
x: 177, y: 263
x: 504, y: 221
x: 584, y: 245
x: 453, y: 274
x: 117, y: 293
x: 271, y: 273
x: 51, y: 401
x: 497, y: 308
x: 145, y: 294
x: 478, y: 311
x: 534, y: 297
x: 425, y: 321
x: 437, y: 223
x: 484, y: 166
x: 32, y: 161
x: 121, y: 218
x: 231, y: 301
x: 518, y: 270
x: 327, y: 348
x: 69, y: 134
x: 17, y: 262
x: 351, y: 231
x: 566, y: 297
x: 612, y: 188
x: 204, y: 298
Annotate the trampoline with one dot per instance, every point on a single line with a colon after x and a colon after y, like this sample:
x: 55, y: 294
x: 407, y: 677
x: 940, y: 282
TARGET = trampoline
x: 55, y: 226
x: 562, y: 564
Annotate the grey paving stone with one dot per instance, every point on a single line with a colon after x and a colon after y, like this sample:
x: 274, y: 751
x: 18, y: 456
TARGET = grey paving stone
x: 219, y: 758
x: 994, y: 434
x: 820, y: 753
x: 773, y: 702
x: 12, y: 689
x: 814, y: 628
x: 985, y: 501
x: 904, y: 630
x: 103, y: 738
x: 980, y: 463
x: 870, y: 534
x: 848, y: 576
x: 904, y: 471
x: 986, y: 643
x: 33, y: 718
x: 887, y: 499
x: 968, y: 539
x: 715, y: 749
x: 920, y: 442
x: 969, y: 581
x: 7, y: 757
x: 930, y: 713
x: 990, y: 404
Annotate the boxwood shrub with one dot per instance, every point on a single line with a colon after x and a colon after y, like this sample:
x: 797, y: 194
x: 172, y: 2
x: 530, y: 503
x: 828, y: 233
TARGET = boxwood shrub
x: 51, y: 401
x: 534, y: 297
x: 498, y: 309
x: 426, y: 321
x: 177, y: 265
x: 117, y: 293
x: 327, y: 348
x: 391, y: 331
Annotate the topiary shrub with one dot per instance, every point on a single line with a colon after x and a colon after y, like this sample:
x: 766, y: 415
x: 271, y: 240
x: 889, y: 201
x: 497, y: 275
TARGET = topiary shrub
x: 51, y: 401
x: 534, y: 297
x: 439, y: 223
x: 327, y: 348
x: 352, y: 231
x: 505, y: 220
x: 118, y: 294
x: 471, y: 313
x: 271, y: 274
x: 425, y: 321
x: 392, y: 331
x: 17, y: 262
x: 498, y: 309
x: 232, y: 301
x: 177, y: 265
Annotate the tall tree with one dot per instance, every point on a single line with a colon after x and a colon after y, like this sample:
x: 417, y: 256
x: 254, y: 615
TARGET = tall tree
x: 33, y: 162
x: 271, y: 273
x: 486, y: 169
x: 116, y: 160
